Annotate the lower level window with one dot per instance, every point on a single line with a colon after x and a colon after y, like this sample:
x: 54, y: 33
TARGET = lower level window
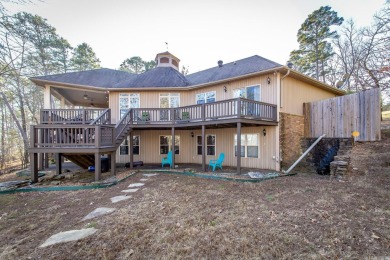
x: 166, y: 144
x: 249, y: 145
x: 210, y: 144
x: 124, y: 148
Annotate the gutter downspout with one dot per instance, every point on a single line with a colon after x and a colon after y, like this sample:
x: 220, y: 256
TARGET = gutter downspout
x: 281, y: 99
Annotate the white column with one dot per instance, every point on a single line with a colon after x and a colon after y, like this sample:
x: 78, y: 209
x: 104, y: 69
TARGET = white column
x: 47, y: 97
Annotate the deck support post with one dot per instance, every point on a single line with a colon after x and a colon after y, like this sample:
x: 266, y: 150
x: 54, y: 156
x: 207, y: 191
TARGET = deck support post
x: 238, y: 148
x: 203, y: 148
x: 173, y: 148
x: 131, y: 148
x: 58, y: 163
x: 98, y: 168
x: 113, y: 162
x: 46, y: 161
x: 34, y: 167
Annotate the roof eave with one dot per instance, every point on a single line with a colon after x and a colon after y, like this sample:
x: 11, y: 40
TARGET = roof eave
x: 43, y: 83
x: 312, y: 81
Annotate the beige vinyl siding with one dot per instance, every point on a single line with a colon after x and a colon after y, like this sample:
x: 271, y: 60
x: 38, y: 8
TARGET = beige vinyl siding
x: 151, y: 99
x: 149, y: 147
x: 294, y: 93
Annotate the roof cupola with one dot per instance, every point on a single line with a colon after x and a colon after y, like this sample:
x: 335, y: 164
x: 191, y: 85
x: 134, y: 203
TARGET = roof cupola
x: 166, y: 59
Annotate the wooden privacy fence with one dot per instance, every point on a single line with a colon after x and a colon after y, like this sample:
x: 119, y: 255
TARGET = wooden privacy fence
x: 340, y: 116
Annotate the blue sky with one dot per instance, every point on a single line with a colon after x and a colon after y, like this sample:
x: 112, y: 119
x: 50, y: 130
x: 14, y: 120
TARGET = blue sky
x: 198, y: 32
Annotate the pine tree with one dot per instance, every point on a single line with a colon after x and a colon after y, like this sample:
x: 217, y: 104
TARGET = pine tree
x: 314, y: 50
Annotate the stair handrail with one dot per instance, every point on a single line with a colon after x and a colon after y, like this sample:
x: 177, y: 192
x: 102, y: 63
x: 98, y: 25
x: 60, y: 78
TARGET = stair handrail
x: 105, y: 112
x: 121, y: 125
x: 304, y: 154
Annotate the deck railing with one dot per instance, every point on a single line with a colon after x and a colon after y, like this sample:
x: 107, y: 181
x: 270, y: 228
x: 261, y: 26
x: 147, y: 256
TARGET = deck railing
x: 88, y: 127
x: 91, y: 136
x: 103, y: 119
x: 71, y: 116
x: 226, y: 109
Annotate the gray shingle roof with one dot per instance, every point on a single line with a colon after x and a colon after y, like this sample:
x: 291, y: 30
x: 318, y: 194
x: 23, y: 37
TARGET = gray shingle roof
x: 161, y: 76
x: 157, y: 77
x: 233, y: 69
x: 96, y: 78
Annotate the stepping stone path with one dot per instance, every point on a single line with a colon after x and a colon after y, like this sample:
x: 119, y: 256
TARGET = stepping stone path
x: 74, y: 235
x: 67, y: 236
x: 136, y: 185
x: 130, y: 190
x: 150, y: 174
x: 98, y: 212
x: 119, y: 198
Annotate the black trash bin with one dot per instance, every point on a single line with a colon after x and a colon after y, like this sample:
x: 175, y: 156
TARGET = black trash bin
x: 105, y: 162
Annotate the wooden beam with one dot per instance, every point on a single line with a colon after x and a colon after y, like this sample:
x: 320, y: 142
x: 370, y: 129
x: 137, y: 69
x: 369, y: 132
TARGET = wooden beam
x: 238, y: 148
x: 98, y: 168
x: 204, y: 148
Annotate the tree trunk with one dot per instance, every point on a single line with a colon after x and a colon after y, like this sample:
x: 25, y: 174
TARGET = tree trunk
x: 22, y: 131
x: 2, y: 158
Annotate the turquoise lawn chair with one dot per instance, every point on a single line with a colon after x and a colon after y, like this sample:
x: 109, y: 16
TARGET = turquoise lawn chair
x: 217, y: 163
x: 167, y: 160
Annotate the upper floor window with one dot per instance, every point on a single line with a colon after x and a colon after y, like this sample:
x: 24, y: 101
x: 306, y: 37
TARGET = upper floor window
x: 169, y: 100
x: 127, y: 101
x: 206, y: 97
x: 251, y: 92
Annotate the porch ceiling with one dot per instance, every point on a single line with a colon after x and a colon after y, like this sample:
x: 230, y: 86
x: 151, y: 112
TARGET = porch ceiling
x: 76, y: 97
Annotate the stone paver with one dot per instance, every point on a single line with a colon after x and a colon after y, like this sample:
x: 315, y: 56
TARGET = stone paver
x: 150, y: 174
x: 98, y: 212
x: 119, y: 198
x: 130, y: 190
x: 136, y: 185
x: 71, y: 235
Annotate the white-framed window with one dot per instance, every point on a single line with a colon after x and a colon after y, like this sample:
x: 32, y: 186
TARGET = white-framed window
x: 127, y: 101
x: 249, y: 145
x: 250, y: 92
x: 206, y: 97
x: 124, y: 147
x: 210, y: 144
x: 169, y: 100
x: 166, y: 144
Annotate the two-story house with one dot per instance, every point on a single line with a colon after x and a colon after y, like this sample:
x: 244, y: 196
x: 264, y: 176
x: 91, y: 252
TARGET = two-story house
x: 233, y: 108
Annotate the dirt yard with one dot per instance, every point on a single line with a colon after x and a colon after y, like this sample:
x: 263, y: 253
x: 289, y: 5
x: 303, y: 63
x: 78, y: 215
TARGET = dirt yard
x: 305, y: 216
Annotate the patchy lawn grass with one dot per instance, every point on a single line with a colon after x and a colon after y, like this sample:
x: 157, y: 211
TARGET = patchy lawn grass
x: 175, y: 217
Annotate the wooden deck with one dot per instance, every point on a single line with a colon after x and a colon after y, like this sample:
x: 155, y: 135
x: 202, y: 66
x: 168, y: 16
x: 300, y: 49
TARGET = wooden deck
x: 67, y: 132
x: 91, y: 129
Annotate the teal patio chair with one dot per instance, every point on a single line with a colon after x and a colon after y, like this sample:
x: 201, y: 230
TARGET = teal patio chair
x: 167, y: 160
x: 217, y: 163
